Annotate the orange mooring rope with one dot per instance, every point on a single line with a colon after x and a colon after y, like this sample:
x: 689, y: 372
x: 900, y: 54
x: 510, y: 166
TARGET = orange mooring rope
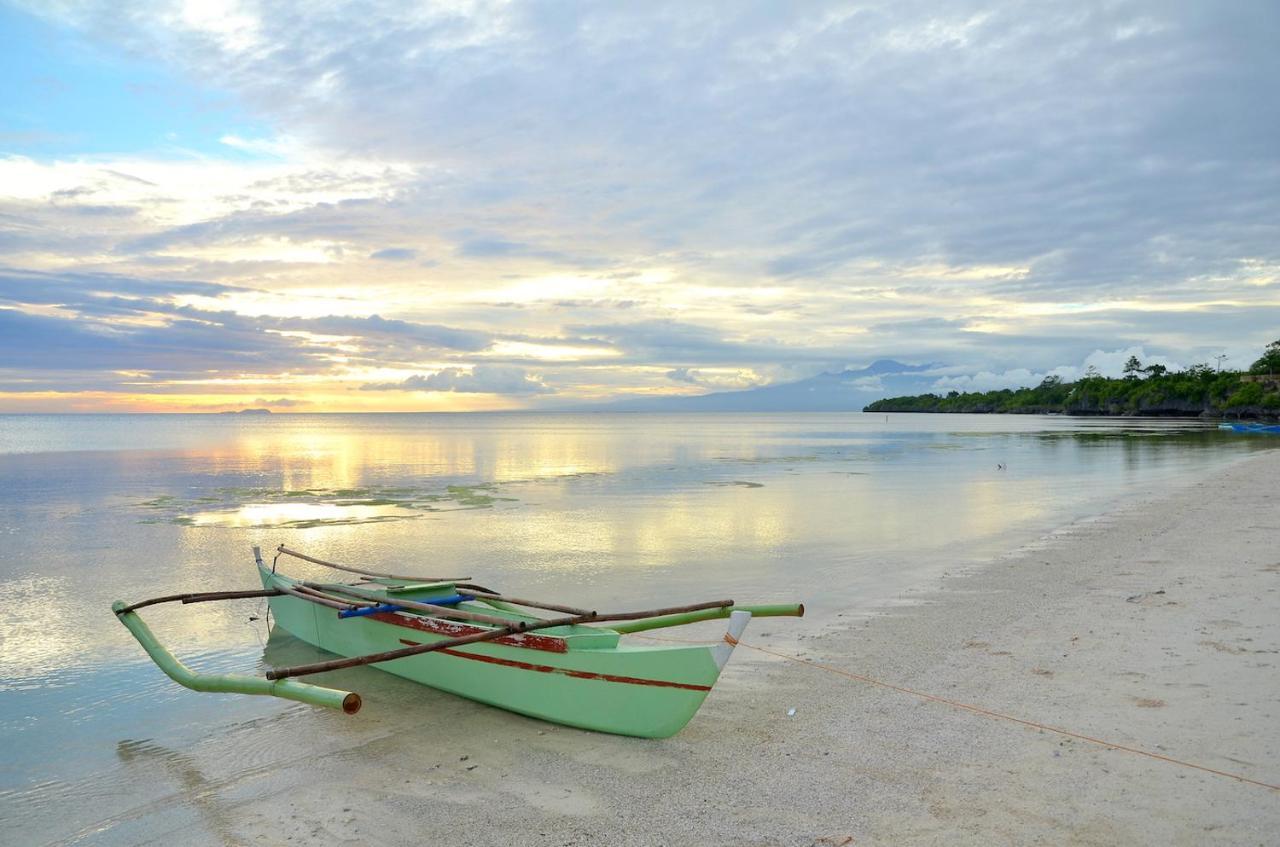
x: 978, y: 710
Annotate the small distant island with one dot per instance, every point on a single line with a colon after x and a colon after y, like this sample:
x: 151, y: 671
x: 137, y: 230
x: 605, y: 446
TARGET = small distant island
x: 1152, y: 390
x: 247, y: 412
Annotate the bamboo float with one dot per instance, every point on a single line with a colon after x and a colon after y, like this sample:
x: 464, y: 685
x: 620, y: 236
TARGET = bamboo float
x: 289, y: 689
x: 304, y: 557
x: 391, y: 655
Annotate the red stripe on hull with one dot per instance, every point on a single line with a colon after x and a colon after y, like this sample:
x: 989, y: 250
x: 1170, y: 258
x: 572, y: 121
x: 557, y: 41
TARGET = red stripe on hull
x: 529, y: 640
x: 603, y: 677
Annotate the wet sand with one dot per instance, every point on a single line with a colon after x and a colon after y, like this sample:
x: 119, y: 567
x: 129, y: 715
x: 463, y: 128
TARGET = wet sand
x: 1156, y: 626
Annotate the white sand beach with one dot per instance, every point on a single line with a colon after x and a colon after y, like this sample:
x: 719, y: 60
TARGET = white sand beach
x: 1155, y: 627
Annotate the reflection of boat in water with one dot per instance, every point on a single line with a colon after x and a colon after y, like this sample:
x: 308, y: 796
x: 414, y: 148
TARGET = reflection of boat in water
x: 282, y: 648
x: 196, y: 790
x: 571, y: 667
x: 1259, y: 428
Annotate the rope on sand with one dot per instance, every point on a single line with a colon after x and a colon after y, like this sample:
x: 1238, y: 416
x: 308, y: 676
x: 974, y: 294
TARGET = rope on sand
x: 979, y: 710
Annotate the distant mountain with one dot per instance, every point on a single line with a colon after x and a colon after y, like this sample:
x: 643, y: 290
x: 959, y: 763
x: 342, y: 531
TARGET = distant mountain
x: 846, y: 391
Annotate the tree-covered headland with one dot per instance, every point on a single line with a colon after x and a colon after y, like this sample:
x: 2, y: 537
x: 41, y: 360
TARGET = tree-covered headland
x: 1143, y: 390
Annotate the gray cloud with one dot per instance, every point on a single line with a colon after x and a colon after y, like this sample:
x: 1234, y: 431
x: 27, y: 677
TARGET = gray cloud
x: 671, y: 341
x: 395, y: 254
x: 481, y: 379
x: 95, y: 333
x: 1101, y: 143
x: 390, y: 330
x: 179, y: 348
x: 45, y: 288
x: 281, y: 402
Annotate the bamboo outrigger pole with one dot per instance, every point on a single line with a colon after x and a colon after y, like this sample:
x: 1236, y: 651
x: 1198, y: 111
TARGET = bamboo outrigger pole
x: 304, y: 557
x: 200, y: 597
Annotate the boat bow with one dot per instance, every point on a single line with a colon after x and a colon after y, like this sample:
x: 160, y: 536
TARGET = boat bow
x: 738, y: 621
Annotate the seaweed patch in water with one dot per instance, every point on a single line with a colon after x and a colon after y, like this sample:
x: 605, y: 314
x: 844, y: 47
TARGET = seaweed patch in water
x: 314, y: 507
x: 767, y: 460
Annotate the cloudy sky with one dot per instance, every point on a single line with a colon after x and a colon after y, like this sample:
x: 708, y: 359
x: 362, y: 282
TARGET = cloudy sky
x: 471, y: 205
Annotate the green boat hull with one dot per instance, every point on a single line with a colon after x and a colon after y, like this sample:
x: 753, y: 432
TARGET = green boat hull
x: 589, y: 680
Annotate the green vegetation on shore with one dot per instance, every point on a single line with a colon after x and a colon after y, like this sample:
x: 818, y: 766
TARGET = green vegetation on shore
x: 1151, y: 390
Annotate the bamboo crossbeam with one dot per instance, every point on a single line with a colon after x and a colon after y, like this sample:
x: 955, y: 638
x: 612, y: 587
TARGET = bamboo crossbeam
x: 482, y: 594
x: 200, y: 597
x: 795, y: 610
x: 207, y: 596
x: 429, y: 608
x: 416, y: 650
x: 653, y: 613
x: 487, y: 595
x: 314, y: 591
x: 313, y: 560
x: 503, y: 607
x: 315, y: 597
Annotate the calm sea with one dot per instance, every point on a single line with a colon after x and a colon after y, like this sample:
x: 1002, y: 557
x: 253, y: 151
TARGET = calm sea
x: 845, y: 512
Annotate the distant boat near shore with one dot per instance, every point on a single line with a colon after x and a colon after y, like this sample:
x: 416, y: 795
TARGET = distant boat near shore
x: 1269, y: 429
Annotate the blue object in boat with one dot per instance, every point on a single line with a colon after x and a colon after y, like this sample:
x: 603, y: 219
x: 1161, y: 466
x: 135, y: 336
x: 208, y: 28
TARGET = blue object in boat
x: 391, y: 607
x: 369, y: 610
x: 446, y: 601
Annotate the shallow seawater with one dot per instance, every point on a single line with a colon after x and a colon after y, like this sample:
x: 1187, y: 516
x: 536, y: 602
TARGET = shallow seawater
x: 841, y: 511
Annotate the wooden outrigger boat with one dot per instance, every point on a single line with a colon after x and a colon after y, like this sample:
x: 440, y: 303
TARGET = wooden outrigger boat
x: 571, y: 668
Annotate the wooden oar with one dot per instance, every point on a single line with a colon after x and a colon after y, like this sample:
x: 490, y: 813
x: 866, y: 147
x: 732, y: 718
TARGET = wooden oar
x: 362, y: 572
x: 405, y: 652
